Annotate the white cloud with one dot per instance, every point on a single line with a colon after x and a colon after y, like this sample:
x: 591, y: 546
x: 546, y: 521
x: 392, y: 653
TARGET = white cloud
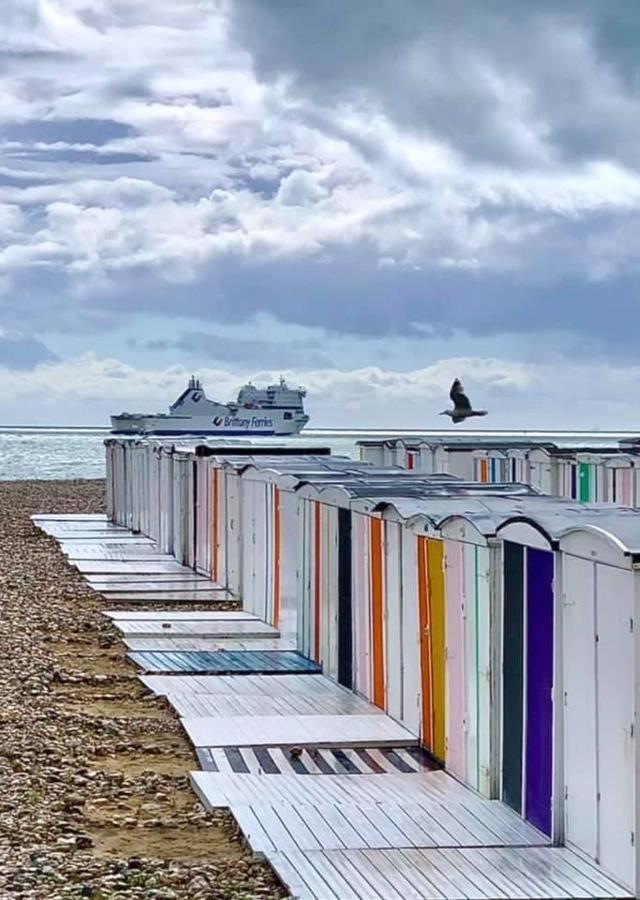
x: 350, y: 172
x: 89, y: 389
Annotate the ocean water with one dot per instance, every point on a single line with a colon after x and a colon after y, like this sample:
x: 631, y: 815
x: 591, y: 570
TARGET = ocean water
x: 58, y: 453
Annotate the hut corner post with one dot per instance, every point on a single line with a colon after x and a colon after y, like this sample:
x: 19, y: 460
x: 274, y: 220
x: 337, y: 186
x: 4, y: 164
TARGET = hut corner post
x: 636, y: 743
x: 496, y: 588
x: 558, y: 782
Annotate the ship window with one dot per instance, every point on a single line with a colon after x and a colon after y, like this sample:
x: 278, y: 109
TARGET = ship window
x: 288, y: 415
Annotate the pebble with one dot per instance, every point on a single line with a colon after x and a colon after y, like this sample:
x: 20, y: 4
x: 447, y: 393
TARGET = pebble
x: 55, y: 798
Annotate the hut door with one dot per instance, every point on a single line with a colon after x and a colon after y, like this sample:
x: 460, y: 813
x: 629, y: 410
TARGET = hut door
x: 393, y: 620
x: 512, y: 675
x: 539, y: 704
x: 304, y: 576
x: 431, y: 603
x: 249, y: 538
x: 345, y: 623
x: 455, y: 662
x: 579, y: 674
x: 227, y: 514
x: 477, y: 655
x: 527, y: 727
x: 615, y: 699
x: 376, y: 587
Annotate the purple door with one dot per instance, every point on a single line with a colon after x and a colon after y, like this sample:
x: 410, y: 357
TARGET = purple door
x: 539, y: 705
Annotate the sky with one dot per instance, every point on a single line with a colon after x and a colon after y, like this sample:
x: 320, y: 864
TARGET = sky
x: 369, y: 198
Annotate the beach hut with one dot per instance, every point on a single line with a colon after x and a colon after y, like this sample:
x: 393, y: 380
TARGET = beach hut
x: 600, y: 678
x: 620, y: 477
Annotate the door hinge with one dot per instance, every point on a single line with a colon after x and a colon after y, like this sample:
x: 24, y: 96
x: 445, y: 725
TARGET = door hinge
x: 631, y: 730
x: 566, y: 792
x: 631, y: 625
x: 597, y: 638
x: 633, y: 838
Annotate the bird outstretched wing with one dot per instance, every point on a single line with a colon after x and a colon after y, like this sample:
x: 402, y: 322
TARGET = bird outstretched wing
x: 458, y: 396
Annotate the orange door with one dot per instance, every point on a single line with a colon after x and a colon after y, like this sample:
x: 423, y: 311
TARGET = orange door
x: 377, y: 614
x: 431, y: 606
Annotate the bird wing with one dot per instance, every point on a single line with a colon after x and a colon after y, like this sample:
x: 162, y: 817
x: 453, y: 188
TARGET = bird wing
x: 458, y: 396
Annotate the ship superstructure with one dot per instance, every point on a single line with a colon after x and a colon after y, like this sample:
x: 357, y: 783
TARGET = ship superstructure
x: 274, y: 410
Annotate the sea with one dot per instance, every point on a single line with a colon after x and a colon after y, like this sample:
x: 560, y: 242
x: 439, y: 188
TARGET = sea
x: 36, y: 452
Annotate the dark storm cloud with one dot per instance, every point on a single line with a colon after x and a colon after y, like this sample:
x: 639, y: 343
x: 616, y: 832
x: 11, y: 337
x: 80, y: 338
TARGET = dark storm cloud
x: 21, y: 352
x: 246, y: 351
x: 68, y: 131
x: 467, y: 72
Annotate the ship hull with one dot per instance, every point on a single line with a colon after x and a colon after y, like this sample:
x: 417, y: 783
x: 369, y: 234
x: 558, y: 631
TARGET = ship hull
x: 256, y: 425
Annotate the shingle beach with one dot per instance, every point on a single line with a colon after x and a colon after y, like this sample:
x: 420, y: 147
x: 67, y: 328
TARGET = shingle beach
x: 94, y: 797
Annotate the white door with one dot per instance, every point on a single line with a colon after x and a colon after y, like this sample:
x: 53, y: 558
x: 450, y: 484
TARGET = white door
x: 615, y: 677
x: 393, y: 610
x: 579, y: 659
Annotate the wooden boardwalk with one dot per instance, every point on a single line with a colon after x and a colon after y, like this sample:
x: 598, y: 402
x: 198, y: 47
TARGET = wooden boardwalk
x: 298, y: 731
x: 334, y: 793
x: 315, y: 760
x: 223, y: 662
x: 416, y: 874
x: 199, y: 629
x: 258, y: 704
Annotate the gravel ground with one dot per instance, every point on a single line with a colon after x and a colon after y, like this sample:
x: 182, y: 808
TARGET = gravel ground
x: 94, y: 801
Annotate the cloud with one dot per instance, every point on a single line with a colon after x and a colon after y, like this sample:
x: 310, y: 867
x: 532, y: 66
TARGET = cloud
x: 382, y: 171
x: 18, y: 351
x: 517, y: 394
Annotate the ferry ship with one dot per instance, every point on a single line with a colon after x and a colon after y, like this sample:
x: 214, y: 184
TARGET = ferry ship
x: 274, y: 410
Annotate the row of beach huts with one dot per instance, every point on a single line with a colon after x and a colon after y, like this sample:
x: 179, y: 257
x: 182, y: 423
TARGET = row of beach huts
x: 604, y: 474
x: 496, y: 623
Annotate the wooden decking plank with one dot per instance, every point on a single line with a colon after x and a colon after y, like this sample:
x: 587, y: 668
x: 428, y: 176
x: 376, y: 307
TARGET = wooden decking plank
x: 212, y: 596
x: 282, y: 837
x: 544, y: 867
x: 107, y: 538
x: 410, y: 832
x: 267, y: 685
x: 501, y: 864
x: 333, y: 875
x: 295, y: 820
x: 227, y: 628
x: 253, y: 830
x: 423, y: 873
x: 317, y: 888
x: 317, y: 730
x: 181, y: 615
x: 474, y: 825
x: 427, y: 876
x: 112, y: 567
x: 434, y: 834
x: 462, y: 881
x: 188, y: 578
x: 292, y: 877
x: 335, y: 789
x: 492, y: 883
x: 196, y: 643
x: 113, y: 552
x: 69, y: 517
x: 603, y: 883
x: 223, y: 662
x: 365, y: 881
x: 260, y: 704
x: 380, y: 861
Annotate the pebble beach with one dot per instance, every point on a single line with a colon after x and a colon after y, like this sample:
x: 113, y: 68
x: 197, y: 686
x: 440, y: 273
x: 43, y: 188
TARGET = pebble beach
x: 94, y: 796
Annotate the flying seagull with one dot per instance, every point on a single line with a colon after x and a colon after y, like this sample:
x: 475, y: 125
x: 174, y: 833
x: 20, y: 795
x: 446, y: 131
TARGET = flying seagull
x: 461, y: 407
